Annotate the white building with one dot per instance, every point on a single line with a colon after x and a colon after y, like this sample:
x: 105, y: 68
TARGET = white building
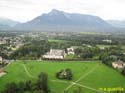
x: 119, y: 64
x: 108, y: 41
x: 55, y: 54
x: 70, y: 50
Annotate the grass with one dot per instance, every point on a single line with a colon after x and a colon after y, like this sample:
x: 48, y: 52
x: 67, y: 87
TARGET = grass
x: 71, y: 56
x: 91, y: 74
x: 58, y: 41
x: 108, y: 46
x: 105, y: 46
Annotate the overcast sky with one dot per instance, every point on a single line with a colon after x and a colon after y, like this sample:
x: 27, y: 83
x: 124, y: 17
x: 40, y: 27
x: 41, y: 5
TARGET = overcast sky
x: 25, y: 10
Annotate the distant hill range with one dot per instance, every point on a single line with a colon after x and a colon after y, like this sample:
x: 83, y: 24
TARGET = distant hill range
x: 7, y: 23
x: 116, y: 23
x: 62, y: 21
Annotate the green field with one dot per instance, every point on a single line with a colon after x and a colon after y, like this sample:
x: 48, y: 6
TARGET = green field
x: 58, y: 41
x: 108, y: 46
x: 90, y: 76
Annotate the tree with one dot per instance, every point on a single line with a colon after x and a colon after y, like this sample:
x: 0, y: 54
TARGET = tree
x: 21, y: 87
x: 122, y: 58
x: 123, y: 71
x: 65, y: 74
x: 78, y: 51
x: 87, y: 55
x: 107, y: 59
x: 28, y: 85
x: 42, y: 82
x: 69, y: 74
x: 41, y: 86
x: 11, y: 88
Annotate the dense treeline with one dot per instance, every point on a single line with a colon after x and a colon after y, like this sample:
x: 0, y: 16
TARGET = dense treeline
x: 93, y: 39
x: 112, y: 54
x: 35, y: 48
x: 87, y: 53
x: 40, y: 86
x: 32, y: 50
x: 37, y: 43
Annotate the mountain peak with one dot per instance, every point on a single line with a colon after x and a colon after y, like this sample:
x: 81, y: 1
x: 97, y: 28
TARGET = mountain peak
x: 57, y: 19
x: 54, y: 11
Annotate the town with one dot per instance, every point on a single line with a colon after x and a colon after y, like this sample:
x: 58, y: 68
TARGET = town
x: 61, y: 48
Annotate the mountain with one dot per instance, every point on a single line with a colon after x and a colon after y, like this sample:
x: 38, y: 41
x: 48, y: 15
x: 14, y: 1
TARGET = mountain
x: 117, y: 23
x: 8, y: 22
x: 4, y: 26
x: 61, y: 21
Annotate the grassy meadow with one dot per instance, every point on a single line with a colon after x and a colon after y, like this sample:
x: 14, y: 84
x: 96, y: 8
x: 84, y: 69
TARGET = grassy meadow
x: 87, y: 76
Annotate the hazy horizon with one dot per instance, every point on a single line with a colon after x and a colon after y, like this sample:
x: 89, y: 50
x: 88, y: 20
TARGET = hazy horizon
x: 25, y: 10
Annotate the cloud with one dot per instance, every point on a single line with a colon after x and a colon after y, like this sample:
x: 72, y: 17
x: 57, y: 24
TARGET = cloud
x: 24, y: 10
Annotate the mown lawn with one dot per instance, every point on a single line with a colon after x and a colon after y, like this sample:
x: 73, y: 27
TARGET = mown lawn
x: 89, y: 74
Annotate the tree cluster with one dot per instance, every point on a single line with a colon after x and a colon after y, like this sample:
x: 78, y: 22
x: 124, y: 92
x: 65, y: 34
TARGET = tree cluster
x: 87, y: 52
x: 32, y: 50
x: 109, y: 55
x: 65, y: 74
x: 40, y: 86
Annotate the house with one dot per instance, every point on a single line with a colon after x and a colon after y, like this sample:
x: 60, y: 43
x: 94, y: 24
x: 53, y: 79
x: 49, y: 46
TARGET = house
x: 108, y: 41
x: 2, y: 72
x: 55, y: 54
x: 118, y: 64
x: 1, y: 59
x: 70, y: 50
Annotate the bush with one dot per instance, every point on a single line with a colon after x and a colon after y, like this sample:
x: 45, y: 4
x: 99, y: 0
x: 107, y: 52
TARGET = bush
x: 64, y: 74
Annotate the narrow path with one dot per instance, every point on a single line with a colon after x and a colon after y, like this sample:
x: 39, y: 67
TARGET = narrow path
x: 82, y: 77
x: 31, y: 76
x: 81, y: 85
x: 72, y: 83
x: 89, y: 88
